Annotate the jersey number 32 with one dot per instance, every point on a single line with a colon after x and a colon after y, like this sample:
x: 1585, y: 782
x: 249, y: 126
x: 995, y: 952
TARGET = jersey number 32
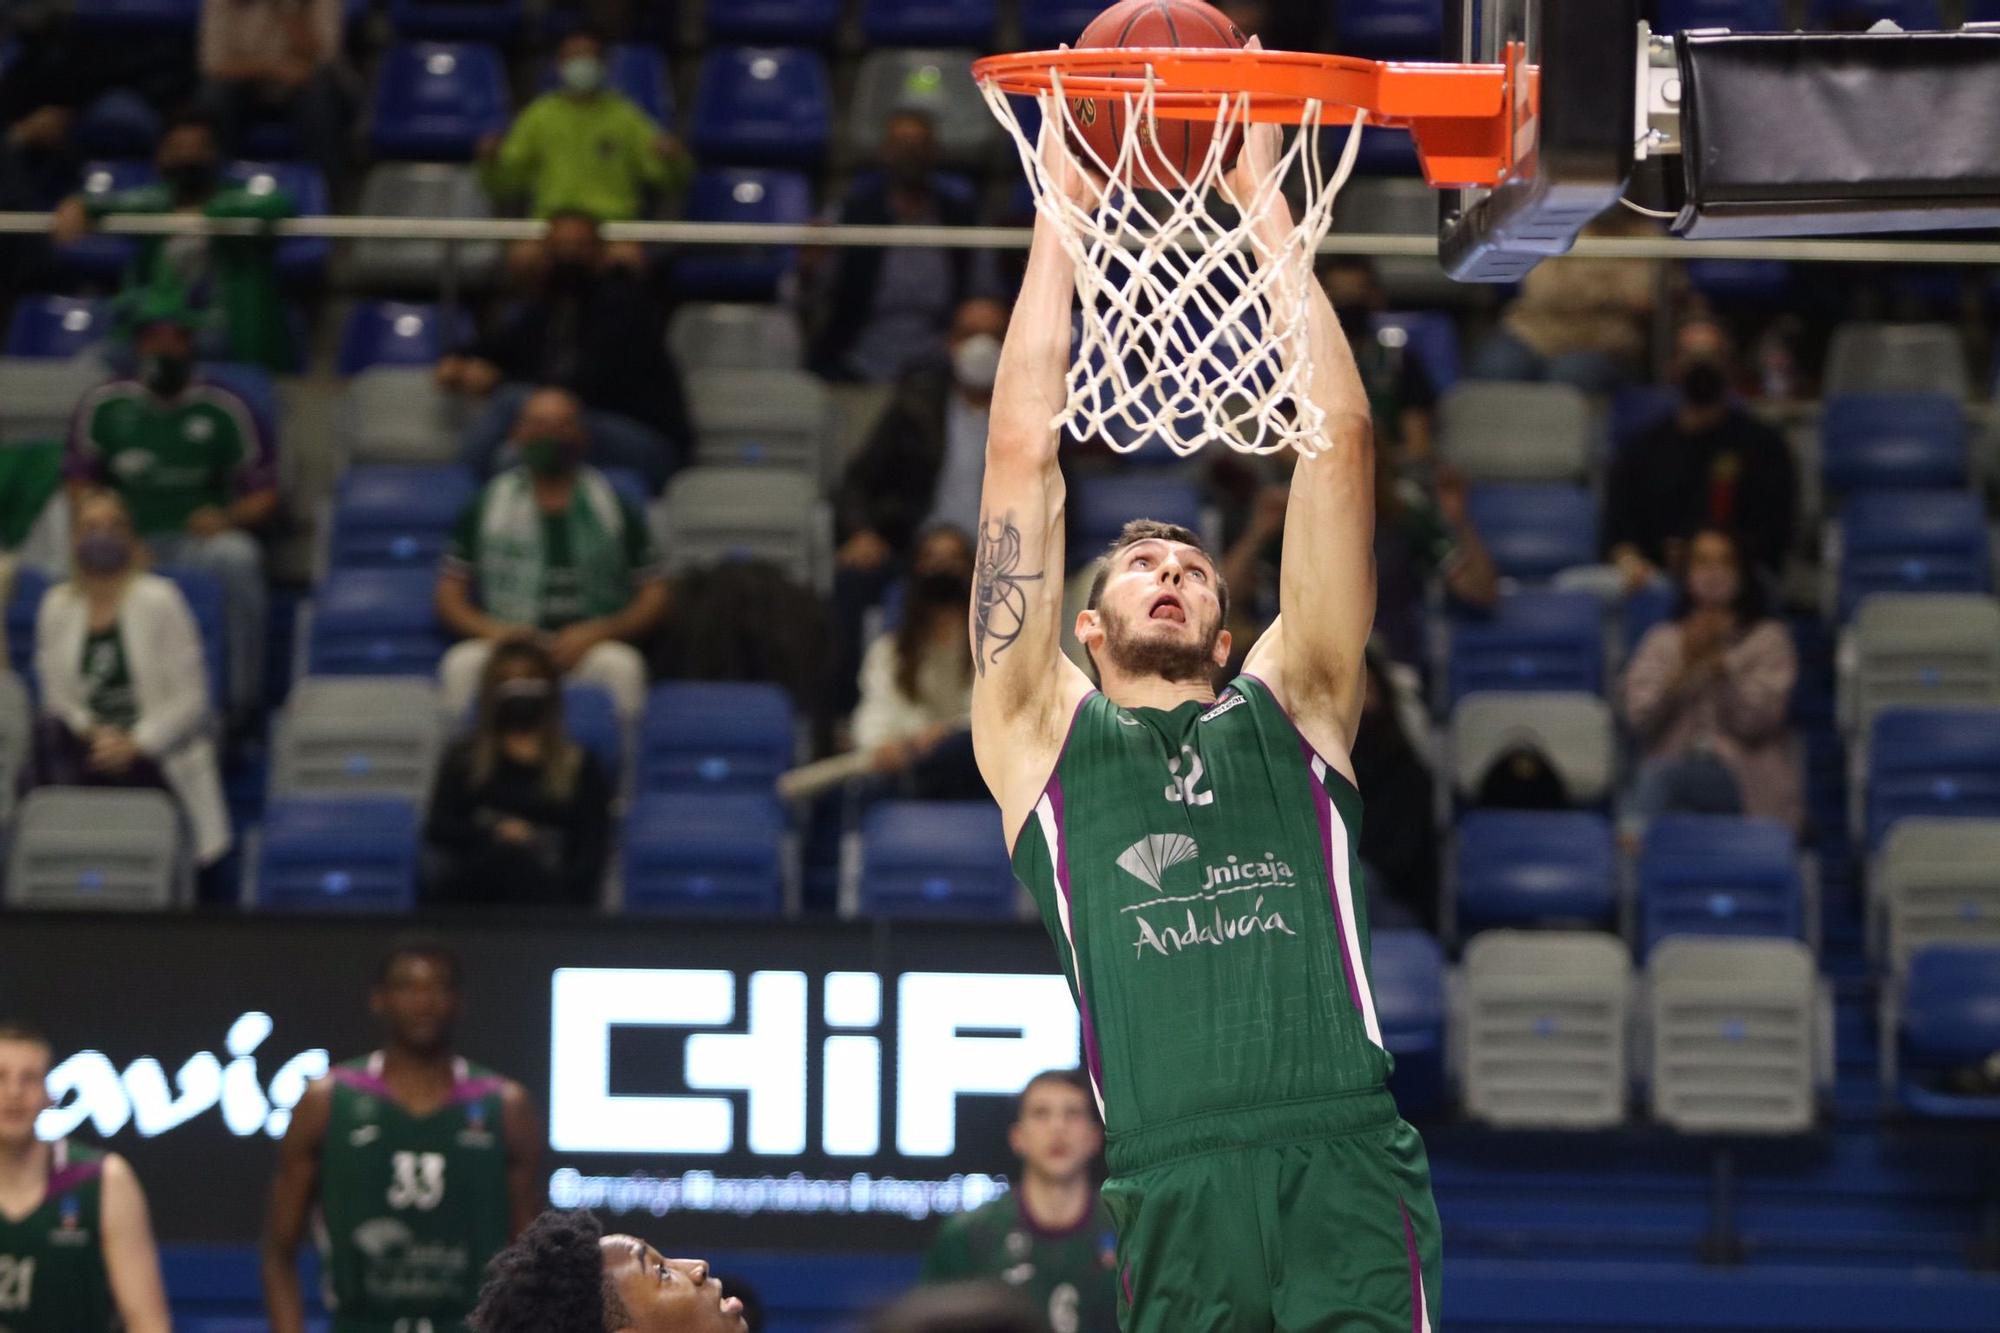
x: 416, y: 1180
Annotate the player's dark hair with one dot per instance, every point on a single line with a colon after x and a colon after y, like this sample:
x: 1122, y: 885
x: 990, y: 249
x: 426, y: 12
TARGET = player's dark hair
x: 189, y: 117
x: 1752, y: 602
x: 550, y: 1280
x: 420, y: 946
x: 1151, y: 529
x: 14, y: 1029
x: 1068, y: 1078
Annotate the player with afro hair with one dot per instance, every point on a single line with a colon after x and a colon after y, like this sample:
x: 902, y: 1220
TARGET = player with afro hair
x: 564, y: 1275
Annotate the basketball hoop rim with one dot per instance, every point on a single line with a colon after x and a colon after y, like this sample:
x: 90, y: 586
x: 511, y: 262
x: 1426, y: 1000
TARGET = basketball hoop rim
x: 1193, y: 83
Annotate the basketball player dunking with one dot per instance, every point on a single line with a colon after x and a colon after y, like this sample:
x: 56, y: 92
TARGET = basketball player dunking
x: 1194, y: 858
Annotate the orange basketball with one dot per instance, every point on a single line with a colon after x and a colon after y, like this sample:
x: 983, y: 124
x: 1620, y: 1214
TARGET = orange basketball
x: 1172, y: 150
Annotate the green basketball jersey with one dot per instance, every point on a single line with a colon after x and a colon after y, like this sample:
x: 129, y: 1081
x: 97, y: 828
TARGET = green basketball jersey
x: 412, y: 1207
x: 1197, y: 871
x: 1071, y: 1275
x: 52, y: 1277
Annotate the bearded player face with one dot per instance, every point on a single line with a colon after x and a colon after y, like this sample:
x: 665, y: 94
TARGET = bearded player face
x: 1160, y: 614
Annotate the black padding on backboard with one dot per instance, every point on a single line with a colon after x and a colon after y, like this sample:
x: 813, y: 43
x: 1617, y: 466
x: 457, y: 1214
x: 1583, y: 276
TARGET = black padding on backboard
x: 1829, y: 133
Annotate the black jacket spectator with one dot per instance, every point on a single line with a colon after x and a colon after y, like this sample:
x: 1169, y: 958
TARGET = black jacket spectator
x: 888, y: 484
x: 1671, y: 482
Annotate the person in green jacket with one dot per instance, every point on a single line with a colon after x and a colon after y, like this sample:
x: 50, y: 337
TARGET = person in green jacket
x: 585, y: 148
x: 233, y: 279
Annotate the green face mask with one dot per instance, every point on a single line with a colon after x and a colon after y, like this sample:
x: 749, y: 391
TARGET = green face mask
x: 546, y: 458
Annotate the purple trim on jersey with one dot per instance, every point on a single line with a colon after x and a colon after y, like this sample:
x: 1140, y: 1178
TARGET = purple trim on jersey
x: 1125, y: 1281
x: 1323, y: 811
x: 69, y: 1176
x: 1417, y: 1321
x: 477, y: 1089
x: 1312, y: 752
x: 1041, y: 1232
x: 1092, y: 1058
x: 362, y: 1081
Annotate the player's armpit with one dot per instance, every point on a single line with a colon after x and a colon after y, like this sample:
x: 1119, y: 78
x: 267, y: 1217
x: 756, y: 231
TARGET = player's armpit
x: 292, y: 1193
x: 131, y: 1259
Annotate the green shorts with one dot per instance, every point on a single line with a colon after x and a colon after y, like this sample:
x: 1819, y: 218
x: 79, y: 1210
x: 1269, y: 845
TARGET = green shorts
x: 1307, y: 1217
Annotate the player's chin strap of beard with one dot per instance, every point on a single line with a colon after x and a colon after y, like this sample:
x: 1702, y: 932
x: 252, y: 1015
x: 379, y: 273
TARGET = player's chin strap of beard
x: 1170, y: 660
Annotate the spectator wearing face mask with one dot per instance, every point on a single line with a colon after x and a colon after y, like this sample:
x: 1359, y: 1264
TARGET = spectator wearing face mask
x: 124, y: 690
x: 916, y: 680
x: 883, y: 313
x: 548, y: 550
x: 584, y: 148
x: 591, y: 328
x: 923, y: 463
x: 192, y: 465
x: 1707, y: 695
x: 1709, y: 465
x: 231, y: 281
x: 520, y: 813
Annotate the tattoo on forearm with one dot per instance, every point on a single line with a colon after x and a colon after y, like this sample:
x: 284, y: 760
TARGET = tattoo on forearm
x: 999, y: 599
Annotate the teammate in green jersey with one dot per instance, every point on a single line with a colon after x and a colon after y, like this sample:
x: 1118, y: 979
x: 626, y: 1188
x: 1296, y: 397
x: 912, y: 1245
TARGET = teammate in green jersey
x: 564, y: 1275
x: 76, y: 1246
x: 1194, y: 858
x: 420, y: 1166
x: 1050, y: 1237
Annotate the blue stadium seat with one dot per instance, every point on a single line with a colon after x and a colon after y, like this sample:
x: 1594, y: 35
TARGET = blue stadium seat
x: 1106, y: 502
x: 1746, y: 281
x: 1854, y: 15
x: 473, y: 20
x: 1391, y: 28
x: 137, y: 16
x: 710, y: 273
x: 375, y: 622
x: 434, y: 101
x: 56, y: 326
x: 1940, y: 762
x: 1529, y: 641
x: 1912, y: 541
x: 1524, y: 867
x: 1533, y: 532
x: 935, y: 859
x: 630, y: 484
x: 763, y: 106
x: 1431, y: 336
x: 1406, y: 971
x: 928, y: 22
x: 1644, y: 609
x: 206, y: 601
x: 696, y: 852
x: 400, y: 333
x: 1718, y: 875
x: 301, y: 260
x: 120, y: 123
x: 715, y: 736
x: 338, y: 854
x: 1893, y: 441
x: 774, y: 22
x: 1982, y: 11
x: 1948, y: 1019
x: 636, y: 71
x: 591, y: 719
x: 1738, y: 15
x: 1046, y: 24
x: 97, y: 256
x: 392, y: 517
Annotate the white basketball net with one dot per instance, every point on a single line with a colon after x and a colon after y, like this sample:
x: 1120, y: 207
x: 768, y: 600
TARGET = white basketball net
x: 1194, y: 327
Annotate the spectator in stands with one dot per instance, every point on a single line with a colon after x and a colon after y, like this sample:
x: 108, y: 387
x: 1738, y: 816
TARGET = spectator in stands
x: 1399, y: 389
x: 231, y: 280
x: 922, y: 463
x: 1710, y: 464
x: 1577, y: 321
x: 124, y: 691
x: 278, y: 59
x: 585, y: 148
x: 1399, y: 838
x: 1707, y: 693
x: 190, y: 460
x: 916, y: 680
x: 520, y: 813
x: 549, y: 549
x: 884, y: 312
x: 594, y: 329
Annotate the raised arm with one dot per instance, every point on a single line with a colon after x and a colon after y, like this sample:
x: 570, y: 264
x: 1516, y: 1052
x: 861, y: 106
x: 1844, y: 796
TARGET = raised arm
x: 1023, y: 688
x: 1312, y: 656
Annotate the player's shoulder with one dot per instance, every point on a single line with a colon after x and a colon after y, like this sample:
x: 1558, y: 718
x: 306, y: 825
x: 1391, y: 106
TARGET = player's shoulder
x: 989, y: 1219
